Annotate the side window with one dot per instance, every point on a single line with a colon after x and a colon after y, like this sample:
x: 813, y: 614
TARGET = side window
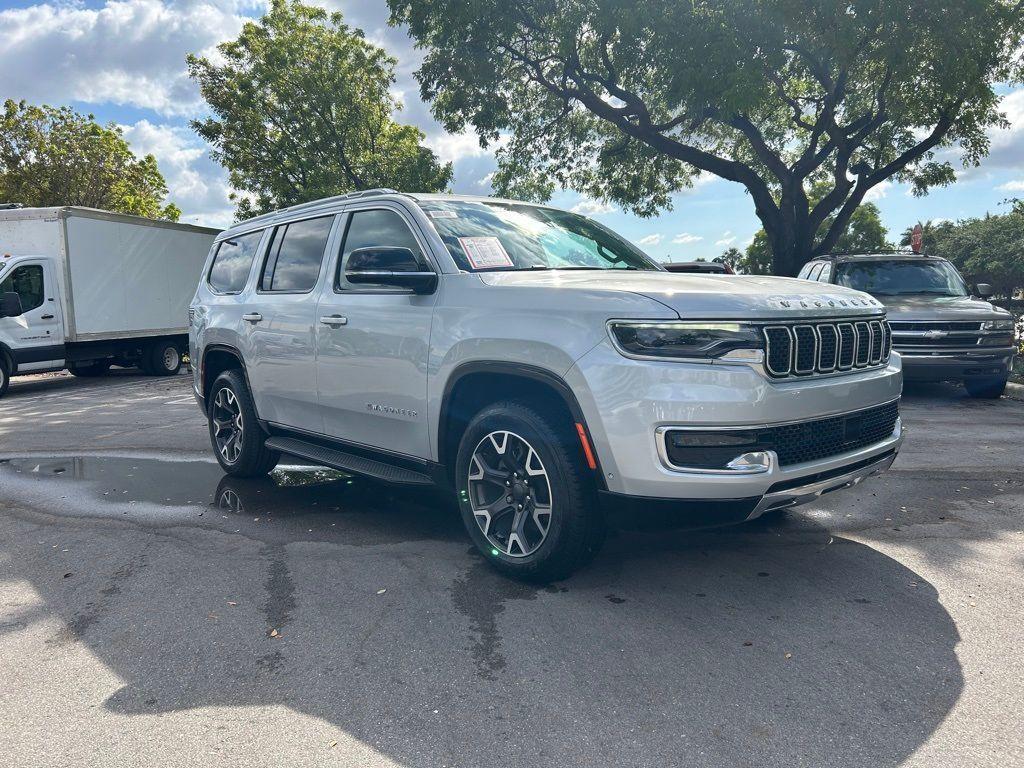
x: 374, y: 228
x: 27, y: 282
x: 815, y: 271
x: 825, y: 276
x: 231, y: 265
x: 295, y: 254
x: 805, y: 270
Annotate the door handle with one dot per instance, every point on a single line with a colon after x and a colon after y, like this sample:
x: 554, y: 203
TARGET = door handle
x: 47, y: 317
x: 334, y: 320
x: 252, y: 317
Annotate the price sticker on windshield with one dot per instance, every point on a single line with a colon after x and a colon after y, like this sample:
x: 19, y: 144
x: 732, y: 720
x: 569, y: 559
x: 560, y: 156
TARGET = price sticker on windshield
x: 485, y: 252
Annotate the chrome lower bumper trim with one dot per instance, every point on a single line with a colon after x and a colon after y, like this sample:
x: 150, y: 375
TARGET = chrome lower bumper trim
x: 802, y: 494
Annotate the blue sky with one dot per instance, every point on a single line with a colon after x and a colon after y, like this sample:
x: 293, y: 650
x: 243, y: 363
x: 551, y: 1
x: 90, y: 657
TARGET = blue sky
x: 123, y: 61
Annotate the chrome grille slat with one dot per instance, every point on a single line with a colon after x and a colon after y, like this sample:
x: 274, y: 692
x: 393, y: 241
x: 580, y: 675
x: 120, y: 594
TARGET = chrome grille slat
x: 805, y: 349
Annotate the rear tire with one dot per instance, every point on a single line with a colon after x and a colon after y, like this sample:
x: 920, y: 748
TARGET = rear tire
x: 162, y: 359
x: 238, y: 441
x: 90, y: 370
x: 5, y: 376
x: 988, y: 389
x: 553, y: 525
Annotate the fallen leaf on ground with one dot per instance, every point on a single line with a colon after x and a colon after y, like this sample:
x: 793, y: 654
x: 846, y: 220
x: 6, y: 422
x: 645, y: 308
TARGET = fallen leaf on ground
x: 382, y: 591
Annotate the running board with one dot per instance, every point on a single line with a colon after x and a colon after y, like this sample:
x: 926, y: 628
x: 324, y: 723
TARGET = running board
x: 348, y: 462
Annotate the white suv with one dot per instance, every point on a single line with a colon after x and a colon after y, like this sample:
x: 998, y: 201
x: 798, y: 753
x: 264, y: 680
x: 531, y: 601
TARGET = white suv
x: 537, y: 364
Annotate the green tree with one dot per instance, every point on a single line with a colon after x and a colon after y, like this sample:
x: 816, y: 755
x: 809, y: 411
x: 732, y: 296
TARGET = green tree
x: 929, y: 235
x: 54, y: 156
x: 302, y: 110
x: 626, y: 101
x: 985, y: 250
x: 731, y: 257
x: 864, y: 233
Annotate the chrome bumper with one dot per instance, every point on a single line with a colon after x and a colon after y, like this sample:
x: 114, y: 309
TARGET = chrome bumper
x: 802, y: 494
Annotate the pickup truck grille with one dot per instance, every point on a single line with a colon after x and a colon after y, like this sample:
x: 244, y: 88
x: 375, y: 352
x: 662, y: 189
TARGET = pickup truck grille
x: 936, y: 335
x: 806, y: 349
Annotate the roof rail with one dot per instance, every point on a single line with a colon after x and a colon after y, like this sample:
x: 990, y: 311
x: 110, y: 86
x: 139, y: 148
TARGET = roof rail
x: 346, y: 196
x: 316, y: 203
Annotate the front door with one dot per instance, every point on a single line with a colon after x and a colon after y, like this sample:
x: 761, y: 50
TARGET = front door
x: 280, y: 321
x: 372, y: 345
x: 36, y: 337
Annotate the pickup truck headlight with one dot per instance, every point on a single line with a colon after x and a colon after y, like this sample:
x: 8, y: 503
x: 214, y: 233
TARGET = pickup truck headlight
x: 708, y: 340
x: 997, y: 325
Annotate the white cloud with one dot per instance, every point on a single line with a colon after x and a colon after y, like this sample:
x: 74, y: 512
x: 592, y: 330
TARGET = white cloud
x: 652, y: 239
x: 127, y: 52
x: 685, y: 238
x: 878, y: 191
x: 728, y: 238
x: 1012, y: 186
x: 588, y: 207
x: 195, y: 183
x: 451, y: 147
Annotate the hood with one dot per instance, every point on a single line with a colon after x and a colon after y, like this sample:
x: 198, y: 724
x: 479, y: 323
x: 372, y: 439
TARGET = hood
x: 705, y: 296
x: 940, y: 308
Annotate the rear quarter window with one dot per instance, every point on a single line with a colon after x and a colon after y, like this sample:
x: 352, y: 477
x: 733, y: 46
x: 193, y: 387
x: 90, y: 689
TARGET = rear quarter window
x: 232, y: 262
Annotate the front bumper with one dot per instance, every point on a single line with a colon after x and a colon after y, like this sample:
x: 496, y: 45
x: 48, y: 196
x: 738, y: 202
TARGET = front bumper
x: 626, y: 402
x: 956, y: 365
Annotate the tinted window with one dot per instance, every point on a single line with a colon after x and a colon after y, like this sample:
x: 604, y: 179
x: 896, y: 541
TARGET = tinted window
x: 375, y: 228
x: 295, y: 254
x: 902, y: 278
x: 231, y: 265
x: 27, y: 282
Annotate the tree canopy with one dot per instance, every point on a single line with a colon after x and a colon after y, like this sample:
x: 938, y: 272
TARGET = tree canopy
x: 985, y: 250
x: 54, y: 156
x: 302, y: 109
x: 864, y: 233
x: 627, y: 100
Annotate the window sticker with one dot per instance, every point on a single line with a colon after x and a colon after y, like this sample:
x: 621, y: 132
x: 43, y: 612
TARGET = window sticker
x: 442, y: 214
x: 485, y: 252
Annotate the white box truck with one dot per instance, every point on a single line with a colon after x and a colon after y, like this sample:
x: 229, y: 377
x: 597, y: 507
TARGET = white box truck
x: 84, y: 289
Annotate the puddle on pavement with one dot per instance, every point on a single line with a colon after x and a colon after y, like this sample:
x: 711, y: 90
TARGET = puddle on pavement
x: 156, y: 491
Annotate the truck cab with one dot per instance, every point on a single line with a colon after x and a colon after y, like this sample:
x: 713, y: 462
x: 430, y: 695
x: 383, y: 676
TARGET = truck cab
x: 31, y: 325
x: 944, y: 329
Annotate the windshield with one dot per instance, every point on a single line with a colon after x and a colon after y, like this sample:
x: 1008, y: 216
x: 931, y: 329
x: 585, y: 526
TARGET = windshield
x: 902, y: 278
x: 489, y: 235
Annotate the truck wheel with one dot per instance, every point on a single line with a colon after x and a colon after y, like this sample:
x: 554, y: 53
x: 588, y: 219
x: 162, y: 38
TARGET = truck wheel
x: 525, y: 499
x: 89, y: 370
x: 238, y: 441
x: 989, y: 389
x: 5, y: 376
x: 162, y: 359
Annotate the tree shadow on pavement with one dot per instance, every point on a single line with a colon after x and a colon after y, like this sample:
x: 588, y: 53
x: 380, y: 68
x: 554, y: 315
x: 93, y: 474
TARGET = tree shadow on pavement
x: 759, y: 645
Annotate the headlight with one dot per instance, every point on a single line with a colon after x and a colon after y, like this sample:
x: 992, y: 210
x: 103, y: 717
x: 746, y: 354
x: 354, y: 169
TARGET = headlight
x: 997, y: 325
x: 688, y: 340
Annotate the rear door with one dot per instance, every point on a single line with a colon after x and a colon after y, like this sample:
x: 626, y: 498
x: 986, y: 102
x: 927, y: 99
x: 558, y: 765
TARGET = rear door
x: 281, y: 320
x: 36, y: 337
x: 372, y: 343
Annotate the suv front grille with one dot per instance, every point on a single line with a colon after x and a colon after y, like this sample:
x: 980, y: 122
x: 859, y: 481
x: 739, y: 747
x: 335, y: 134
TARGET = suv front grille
x: 793, y: 443
x: 804, y: 349
x: 813, y: 440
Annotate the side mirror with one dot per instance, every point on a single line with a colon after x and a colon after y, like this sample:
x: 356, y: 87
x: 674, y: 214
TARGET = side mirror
x: 984, y: 290
x: 10, y: 305
x: 386, y: 265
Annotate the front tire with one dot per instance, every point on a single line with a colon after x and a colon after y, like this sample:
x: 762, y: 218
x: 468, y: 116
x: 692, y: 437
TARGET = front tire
x: 526, y: 500
x: 988, y: 389
x: 238, y: 441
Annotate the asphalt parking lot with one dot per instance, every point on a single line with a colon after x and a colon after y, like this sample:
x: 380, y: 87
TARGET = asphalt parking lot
x: 154, y: 613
